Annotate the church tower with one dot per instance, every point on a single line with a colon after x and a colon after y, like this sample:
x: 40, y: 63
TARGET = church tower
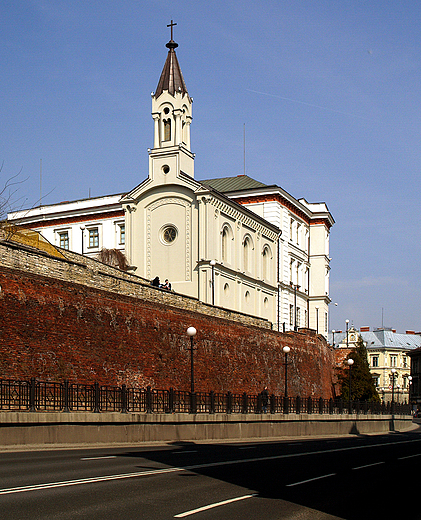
x: 172, y: 115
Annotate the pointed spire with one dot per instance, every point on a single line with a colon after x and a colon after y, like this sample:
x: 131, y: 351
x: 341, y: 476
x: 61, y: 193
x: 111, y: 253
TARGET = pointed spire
x: 171, y: 77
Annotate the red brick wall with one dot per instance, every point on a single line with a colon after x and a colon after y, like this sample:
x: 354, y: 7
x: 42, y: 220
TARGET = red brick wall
x: 54, y: 330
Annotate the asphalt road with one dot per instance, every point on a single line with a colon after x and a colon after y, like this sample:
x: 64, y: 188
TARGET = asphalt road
x: 358, y: 477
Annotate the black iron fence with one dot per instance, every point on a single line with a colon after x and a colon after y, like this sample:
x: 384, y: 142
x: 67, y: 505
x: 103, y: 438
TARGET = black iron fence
x: 36, y: 395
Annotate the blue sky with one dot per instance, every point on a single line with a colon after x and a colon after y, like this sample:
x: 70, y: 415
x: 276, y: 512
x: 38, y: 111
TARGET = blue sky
x: 329, y: 92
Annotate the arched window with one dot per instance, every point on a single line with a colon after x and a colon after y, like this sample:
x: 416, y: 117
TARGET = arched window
x: 246, y: 253
x: 167, y: 129
x: 266, y: 256
x: 226, y: 243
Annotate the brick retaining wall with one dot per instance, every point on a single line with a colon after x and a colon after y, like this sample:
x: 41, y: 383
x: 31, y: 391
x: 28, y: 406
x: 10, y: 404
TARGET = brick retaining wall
x: 78, y: 319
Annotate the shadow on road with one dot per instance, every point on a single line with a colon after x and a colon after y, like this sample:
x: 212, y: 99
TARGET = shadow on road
x: 343, y: 477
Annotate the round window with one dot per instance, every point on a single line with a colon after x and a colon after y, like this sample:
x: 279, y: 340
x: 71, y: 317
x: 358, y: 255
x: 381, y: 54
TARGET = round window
x: 168, y: 234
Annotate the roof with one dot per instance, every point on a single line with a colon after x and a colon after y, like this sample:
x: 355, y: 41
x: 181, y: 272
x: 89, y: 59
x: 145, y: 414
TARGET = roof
x: 383, y: 338
x: 171, y: 77
x: 227, y: 184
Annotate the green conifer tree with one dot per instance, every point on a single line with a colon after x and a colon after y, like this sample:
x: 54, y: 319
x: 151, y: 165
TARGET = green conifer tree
x: 362, y: 383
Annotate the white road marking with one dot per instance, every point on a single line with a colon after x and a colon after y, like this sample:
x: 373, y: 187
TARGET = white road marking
x: 99, y: 458
x: 409, y: 456
x: 51, y: 485
x: 211, y: 506
x: 369, y: 465
x: 310, y: 480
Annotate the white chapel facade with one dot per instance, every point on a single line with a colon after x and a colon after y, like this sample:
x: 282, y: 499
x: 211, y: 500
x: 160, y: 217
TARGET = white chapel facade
x: 232, y: 242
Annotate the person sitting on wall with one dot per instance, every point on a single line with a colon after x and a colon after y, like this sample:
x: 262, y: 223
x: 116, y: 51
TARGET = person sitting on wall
x: 155, y: 281
x: 166, y: 285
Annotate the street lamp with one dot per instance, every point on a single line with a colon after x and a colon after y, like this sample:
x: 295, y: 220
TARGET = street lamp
x: 409, y: 389
x: 333, y: 338
x: 212, y: 264
x: 82, y: 228
x: 350, y: 362
x: 191, y: 332
x: 393, y: 389
x: 347, y: 323
x: 285, y: 350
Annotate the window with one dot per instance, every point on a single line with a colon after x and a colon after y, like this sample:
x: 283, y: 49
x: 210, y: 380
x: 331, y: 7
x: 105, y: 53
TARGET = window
x: 93, y: 237
x: 291, y: 315
x: 298, y: 316
x: 265, y: 261
x: 121, y: 229
x: 393, y: 361
x: 225, y: 245
x: 246, y: 251
x: 64, y: 239
x: 167, y: 129
x: 374, y: 361
x: 298, y: 233
x: 405, y: 362
x: 168, y: 234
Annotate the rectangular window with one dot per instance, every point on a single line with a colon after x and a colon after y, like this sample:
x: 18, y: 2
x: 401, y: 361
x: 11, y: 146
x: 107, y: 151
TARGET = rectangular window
x: 64, y: 239
x: 93, y: 237
x: 374, y: 361
x: 298, y: 317
x: 405, y: 362
x: 393, y: 361
x: 291, y: 315
x: 122, y: 234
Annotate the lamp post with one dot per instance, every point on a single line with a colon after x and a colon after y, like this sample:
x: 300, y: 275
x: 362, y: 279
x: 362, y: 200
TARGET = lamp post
x: 393, y: 389
x: 213, y: 263
x: 82, y: 228
x: 350, y: 362
x: 285, y: 350
x: 333, y: 338
x: 347, y: 323
x: 409, y: 389
x: 191, y: 332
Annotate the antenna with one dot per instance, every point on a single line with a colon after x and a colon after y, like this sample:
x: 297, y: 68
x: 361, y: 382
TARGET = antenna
x: 244, y: 147
x: 40, y: 181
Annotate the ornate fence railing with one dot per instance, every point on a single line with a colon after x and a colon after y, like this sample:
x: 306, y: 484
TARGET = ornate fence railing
x: 37, y: 395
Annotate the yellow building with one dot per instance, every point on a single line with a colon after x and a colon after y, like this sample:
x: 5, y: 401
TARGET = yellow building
x: 388, y: 357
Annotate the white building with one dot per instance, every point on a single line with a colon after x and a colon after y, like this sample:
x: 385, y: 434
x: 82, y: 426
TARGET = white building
x: 233, y: 242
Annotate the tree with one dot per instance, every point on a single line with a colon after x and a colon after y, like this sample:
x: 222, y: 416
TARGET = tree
x: 362, y: 383
x: 114, y: 258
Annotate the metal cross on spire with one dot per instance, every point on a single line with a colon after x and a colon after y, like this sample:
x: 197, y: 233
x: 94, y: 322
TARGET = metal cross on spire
x: 171, y: 25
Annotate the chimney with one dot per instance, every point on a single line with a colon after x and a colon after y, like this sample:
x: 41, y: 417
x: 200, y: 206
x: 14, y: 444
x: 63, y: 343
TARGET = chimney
x: 410, y: 332
x: 364, y: 329
x: 394, y: 330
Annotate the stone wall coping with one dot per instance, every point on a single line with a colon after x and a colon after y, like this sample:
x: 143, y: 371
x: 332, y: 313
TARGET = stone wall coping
x: 38, y: 418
